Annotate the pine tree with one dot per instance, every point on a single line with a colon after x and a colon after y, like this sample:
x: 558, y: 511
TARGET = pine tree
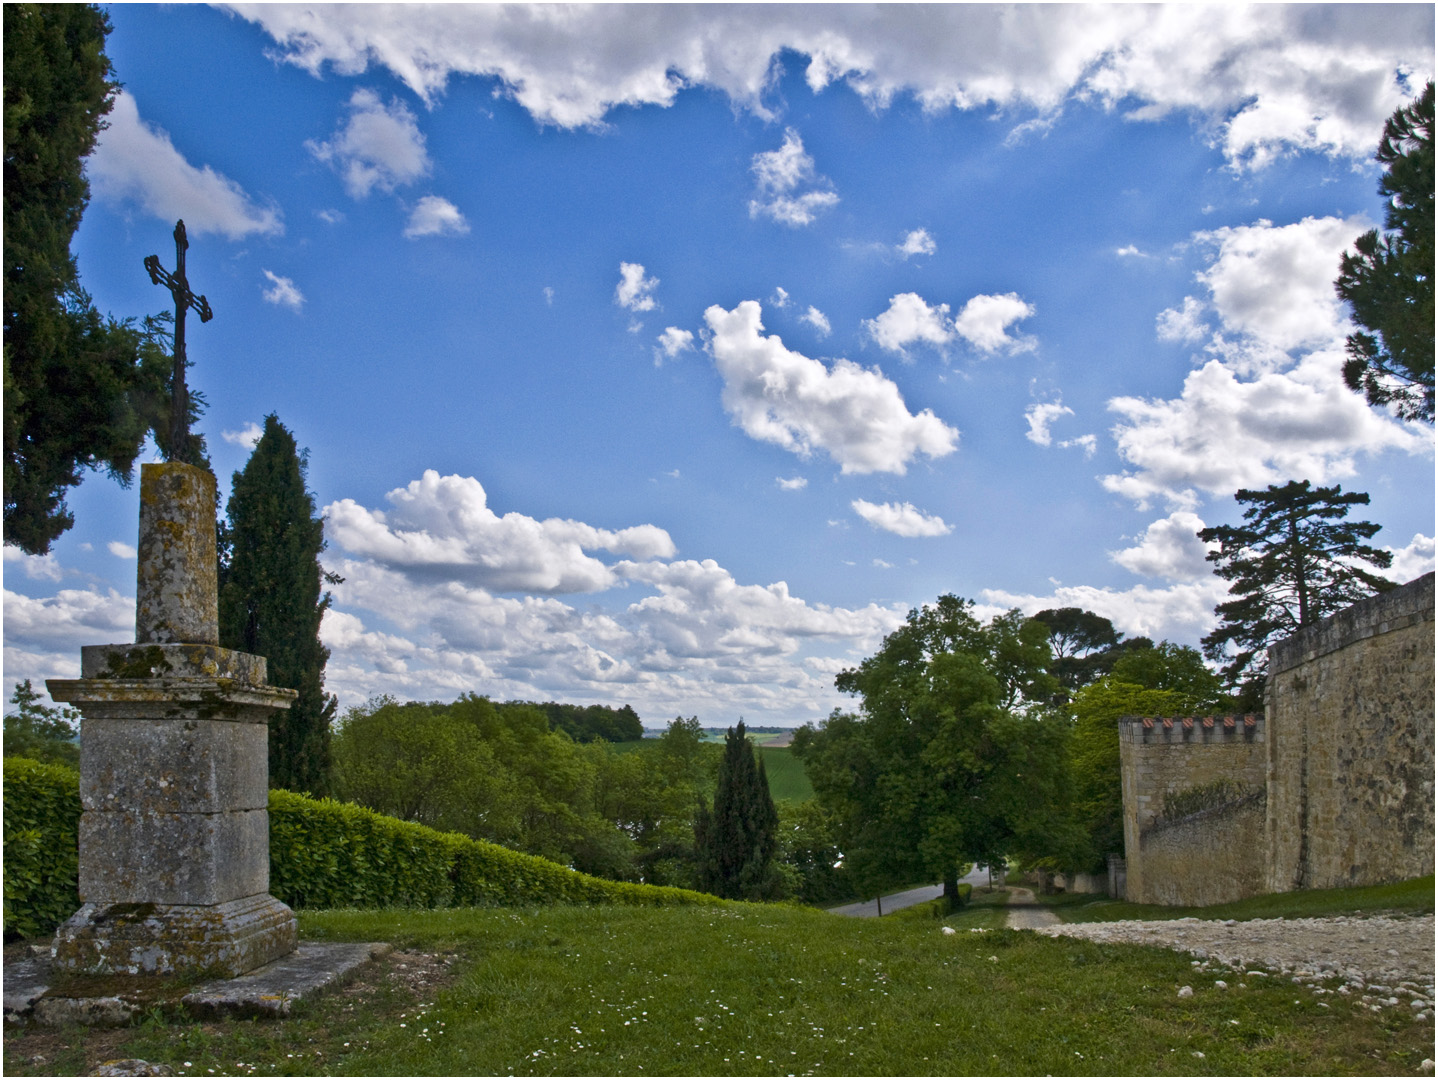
x: 1294, y: 562
x: 1389, y: 280
x: 735, y: 844
x: 271, y: 602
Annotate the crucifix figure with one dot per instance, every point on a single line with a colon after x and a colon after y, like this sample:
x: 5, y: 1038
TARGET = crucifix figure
x: 180, y: 289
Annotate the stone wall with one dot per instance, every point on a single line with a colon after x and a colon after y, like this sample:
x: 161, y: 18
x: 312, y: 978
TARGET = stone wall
x: 1210, y: 857
x: 1164, y: 758
x: 1351, y: 750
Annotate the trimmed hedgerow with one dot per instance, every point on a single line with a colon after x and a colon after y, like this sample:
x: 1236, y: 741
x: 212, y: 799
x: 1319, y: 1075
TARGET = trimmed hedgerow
x: 42, y: 823
x: 323, y: 854
x: 327, y: 854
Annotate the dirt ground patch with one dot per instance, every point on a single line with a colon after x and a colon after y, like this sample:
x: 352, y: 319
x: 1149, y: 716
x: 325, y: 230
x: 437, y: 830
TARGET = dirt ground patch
x: 387, y: 986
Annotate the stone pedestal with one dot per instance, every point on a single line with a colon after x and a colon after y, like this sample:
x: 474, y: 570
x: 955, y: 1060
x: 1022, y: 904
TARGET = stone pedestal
x: 174, y: 769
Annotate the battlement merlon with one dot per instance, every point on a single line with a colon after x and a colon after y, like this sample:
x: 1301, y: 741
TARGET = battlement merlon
x: 1192, y: 729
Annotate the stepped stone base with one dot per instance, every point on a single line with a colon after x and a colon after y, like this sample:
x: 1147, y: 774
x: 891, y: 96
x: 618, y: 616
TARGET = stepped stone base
x: 165, y: 939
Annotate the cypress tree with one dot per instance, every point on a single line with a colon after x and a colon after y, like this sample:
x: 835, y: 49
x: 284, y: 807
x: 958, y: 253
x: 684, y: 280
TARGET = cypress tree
x: 77, y: 385
x: 735, y: 844
x: 271, y: 605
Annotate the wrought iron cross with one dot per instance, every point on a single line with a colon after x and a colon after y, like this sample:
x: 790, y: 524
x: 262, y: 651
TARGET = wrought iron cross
x: 184, y: 299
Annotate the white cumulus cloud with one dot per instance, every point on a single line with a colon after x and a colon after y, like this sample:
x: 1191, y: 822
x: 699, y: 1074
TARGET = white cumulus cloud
x: 796, y: 483
x: 910, y: 319
x: 817, y: 319
x: 121, y: 550
x: 985, y: 320
x: 435, y: 216
x: 136, y: 162
x: 635, y: 292
x: 902, y: 519
x: 282, y: 291
x: 247, y: 437
x: 854, y: 414
x: 1262, y: 80
x: 1413, y: 560
x: 917, y: 242
x: 1169, y: 548
x: 673, y: 342
x: 1040, y: 416
x: 983, y: 323
x: 1267, y: 404
x: 779, y: 175
x: 1183, y: 324
x: 377, y: 146
x: 1274, y: 284
x: 442, y: 527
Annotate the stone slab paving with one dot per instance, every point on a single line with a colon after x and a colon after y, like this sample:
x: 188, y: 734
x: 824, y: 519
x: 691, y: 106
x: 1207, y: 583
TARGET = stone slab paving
x: 267, y: 992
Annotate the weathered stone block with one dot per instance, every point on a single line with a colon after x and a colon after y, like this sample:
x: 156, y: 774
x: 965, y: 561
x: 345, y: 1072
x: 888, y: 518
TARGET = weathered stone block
x: 177, y: 596
x: 182, y: 698
x: 134, y: 856
x: 130, y: 661
x: 162, y: 939
x: 173, y: 766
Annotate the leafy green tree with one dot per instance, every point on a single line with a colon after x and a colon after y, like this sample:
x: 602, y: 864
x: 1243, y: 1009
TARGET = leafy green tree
x: 809, y: 852
x: 736, y: 843
x: 1085, y: 647
x: 271, y: 602
x: 1388, y: 278
x: 421, y: 763
x: 1166, y: 680
x: 952, y: 759
x: 47, y: 733
x: 1294, y: 561
x: 76, y: 384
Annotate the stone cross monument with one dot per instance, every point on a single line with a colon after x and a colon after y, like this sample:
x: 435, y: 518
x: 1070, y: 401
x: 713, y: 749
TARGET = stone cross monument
x: 174, y: 768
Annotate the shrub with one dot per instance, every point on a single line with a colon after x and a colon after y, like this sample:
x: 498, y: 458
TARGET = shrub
x: 42, y: 822
x: 323, y: 854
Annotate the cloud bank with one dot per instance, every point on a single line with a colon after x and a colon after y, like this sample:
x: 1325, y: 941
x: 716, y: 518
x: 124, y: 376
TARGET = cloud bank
x: 1262, y: 80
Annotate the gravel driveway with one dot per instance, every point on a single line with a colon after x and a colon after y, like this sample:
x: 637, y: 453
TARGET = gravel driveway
x: 1385, y: 959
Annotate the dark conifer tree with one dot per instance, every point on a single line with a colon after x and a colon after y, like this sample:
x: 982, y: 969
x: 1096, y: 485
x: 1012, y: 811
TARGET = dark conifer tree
x: 77, y: 385
x: 735, y: 843
x: 1295, y: 560
x: 271, y: 602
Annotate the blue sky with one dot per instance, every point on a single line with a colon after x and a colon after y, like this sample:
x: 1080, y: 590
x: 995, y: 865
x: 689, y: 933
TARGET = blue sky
x: 669, y: 355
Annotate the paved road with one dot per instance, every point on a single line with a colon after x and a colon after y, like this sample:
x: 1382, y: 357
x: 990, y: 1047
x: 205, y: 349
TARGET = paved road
x: 869, y: 908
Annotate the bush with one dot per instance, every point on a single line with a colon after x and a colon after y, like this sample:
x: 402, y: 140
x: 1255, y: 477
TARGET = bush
x: 326, y: 854
x: 323, y: 854
x: 42, y: 823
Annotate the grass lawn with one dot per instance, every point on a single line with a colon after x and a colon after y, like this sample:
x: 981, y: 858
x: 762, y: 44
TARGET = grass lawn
x: 1414, y: 895
x: 754, y: 990
x: 787, y: 779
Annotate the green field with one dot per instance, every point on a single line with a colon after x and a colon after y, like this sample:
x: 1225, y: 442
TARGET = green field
x: 759, y: 990
x: 787, y: 779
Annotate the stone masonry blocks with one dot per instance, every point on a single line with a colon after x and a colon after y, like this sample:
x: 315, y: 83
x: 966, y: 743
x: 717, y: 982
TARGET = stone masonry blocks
x: 159, y: 939
x: 129, y: 856
x: 166, y: 766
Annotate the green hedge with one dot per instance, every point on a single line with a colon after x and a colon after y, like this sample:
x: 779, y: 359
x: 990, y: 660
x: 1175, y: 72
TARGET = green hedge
x: 323, y: 854
x: 326, y: 854
x: 42, y: 823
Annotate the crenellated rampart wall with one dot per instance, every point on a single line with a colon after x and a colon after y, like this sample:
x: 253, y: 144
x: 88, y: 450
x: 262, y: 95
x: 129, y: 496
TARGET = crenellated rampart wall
x: 1332, y: 787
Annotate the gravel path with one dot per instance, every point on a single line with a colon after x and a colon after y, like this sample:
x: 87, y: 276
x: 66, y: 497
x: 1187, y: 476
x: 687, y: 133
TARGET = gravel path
x: 1025, y: 913
x: 1375, y: 955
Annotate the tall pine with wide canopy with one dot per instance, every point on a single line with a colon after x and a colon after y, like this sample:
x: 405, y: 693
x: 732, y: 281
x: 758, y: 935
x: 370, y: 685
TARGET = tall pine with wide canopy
x: 1295, y: 560
x: 271, y: 602
x: 1388, y: 278
x: 734, y: 845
